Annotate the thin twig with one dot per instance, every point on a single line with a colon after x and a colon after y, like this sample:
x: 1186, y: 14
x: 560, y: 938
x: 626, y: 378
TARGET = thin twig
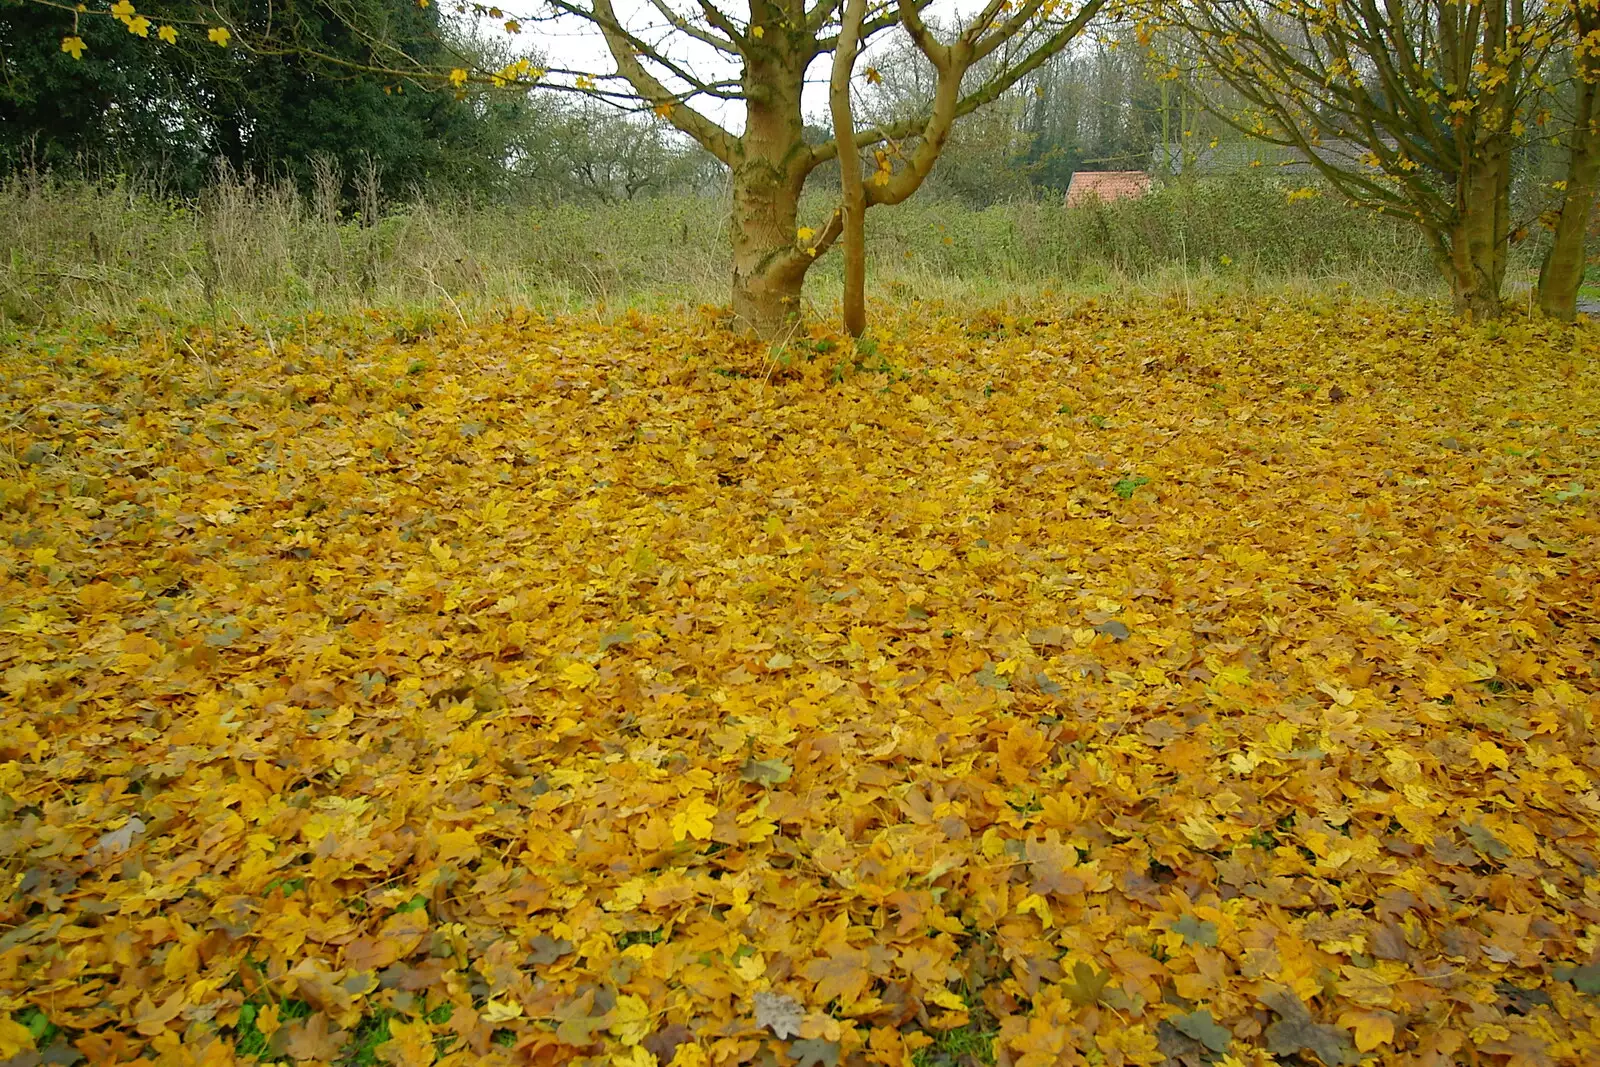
x: 429, y: 272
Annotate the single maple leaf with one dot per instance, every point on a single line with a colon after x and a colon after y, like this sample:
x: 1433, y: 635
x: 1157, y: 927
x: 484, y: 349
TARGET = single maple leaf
x: 544, y: 950
x: 577, y: 1020
x: 1295, y: 1031
x: 1204, y: 1029
x: 150, y: 1020
x: 314, y: 1038
x: 629, y: 1019
x: 841, y: 975
x: 1389, y: 943
x: 410, y: 1044
x: 693, y: 820
x: 1113, y: 628
x: 1484, y: 842
x: 665, y: 1041
x: 1050, y: 863
x: 121, y: 839
x: 1086, y: 984
x: 372, y: 954
x: 814, y: 1052
x: 779, y: 1013
x: 1371, y: 1028
x: 1488, y: 754
x: 499, y: 1012
x: 1022, y: 749
x: 765, y: 772
x: 1196, y: 931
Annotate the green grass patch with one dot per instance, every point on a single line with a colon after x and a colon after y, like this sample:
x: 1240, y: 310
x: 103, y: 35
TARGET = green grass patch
x: 39, y: 1025
x: 1126, y: 487
x: 370, y: 1032
x: 641, y: 937
x: 248, y: 1040
x: 964, y: 1044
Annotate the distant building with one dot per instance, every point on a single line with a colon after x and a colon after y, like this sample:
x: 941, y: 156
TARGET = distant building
x: 1106, y: 186
x: 1207, y: 161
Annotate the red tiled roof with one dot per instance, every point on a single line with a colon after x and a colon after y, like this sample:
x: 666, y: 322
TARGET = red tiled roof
x: 1107, y: 185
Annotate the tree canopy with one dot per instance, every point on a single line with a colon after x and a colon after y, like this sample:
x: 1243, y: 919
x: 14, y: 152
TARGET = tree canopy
x: 132, y: 93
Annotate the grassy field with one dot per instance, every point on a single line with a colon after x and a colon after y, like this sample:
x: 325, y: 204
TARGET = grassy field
x: 1098, y: 685
x: 247, y: 252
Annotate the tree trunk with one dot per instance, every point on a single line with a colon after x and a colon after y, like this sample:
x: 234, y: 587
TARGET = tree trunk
x: 1561, y: 273
x: 767, y: 272
x: 1475, y: 256
x: 769, y: 170
x: 853, y: 192
x: 1474, y: 283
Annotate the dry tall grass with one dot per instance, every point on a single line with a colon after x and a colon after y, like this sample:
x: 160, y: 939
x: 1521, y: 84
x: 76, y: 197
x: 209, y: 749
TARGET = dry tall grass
x: 251, y: 250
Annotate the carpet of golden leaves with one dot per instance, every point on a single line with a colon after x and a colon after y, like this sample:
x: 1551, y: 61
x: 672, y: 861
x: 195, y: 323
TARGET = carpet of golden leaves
x: 1134, y: 687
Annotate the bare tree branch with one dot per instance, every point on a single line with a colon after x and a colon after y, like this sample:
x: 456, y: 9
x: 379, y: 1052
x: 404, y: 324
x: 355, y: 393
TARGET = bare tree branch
x: 684, y: 26
x: 625, y: 49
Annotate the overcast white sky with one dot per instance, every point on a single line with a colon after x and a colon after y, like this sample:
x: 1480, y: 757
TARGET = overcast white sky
x: 575, y: 44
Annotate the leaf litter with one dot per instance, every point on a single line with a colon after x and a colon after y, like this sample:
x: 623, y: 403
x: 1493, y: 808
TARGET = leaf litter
x: 546, y: 690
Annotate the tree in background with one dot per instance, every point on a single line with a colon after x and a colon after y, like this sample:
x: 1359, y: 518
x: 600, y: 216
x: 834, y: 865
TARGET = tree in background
x: 104, y: 106
x: 1095, y: 108
x: 852, y: 187
x: 984, y: 160
x: 294, y: 104
x: 1565, y: 261
x: 1424, y: 110
x: 1411, y: 108
x: 587, y: 150
x: 170, y: 95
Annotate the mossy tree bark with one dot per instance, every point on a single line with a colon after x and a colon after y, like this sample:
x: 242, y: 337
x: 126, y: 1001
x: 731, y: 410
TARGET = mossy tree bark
x: 1476, y: 242
x: 1566, y: 260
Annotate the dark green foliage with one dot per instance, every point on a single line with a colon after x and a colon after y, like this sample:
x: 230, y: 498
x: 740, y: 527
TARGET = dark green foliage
x: 57, y: 112
x: 173, y: 112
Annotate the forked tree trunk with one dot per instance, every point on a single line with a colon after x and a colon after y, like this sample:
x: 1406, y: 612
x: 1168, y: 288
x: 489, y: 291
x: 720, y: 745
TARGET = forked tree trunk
x: 769, y: 171
x: 1474, y: 256
x: 1474, y: 277
x: 1561, y: 273
x: 770, y: 159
